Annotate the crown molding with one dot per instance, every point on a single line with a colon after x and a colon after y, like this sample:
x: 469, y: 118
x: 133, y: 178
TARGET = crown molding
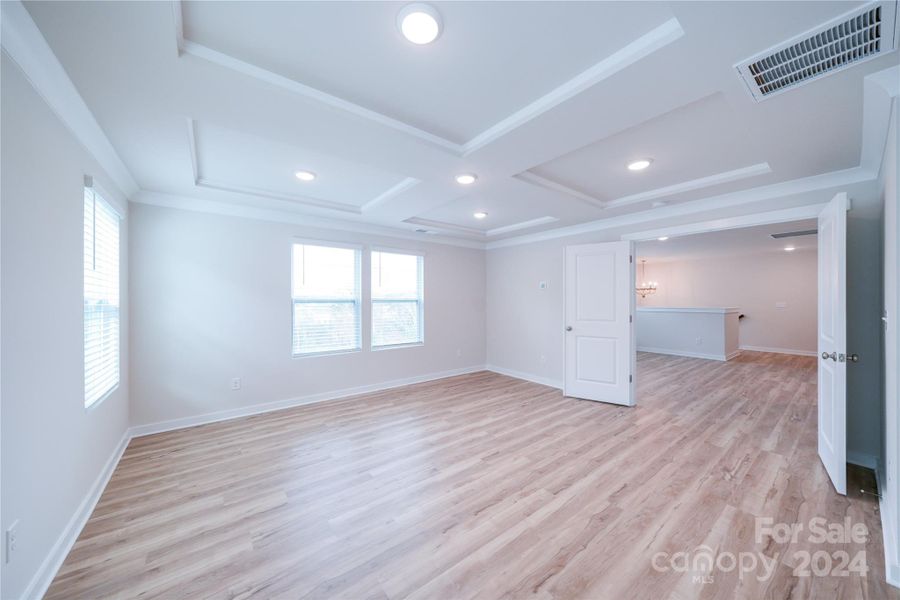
x: 657, y: 38
x: 472, y: 231
x: 217, y: 207
x: 391, y: 193
x: 797, y: 213
x: 693, y: 184
x: 25, y: 45
x: 521, y: 225
x: 879, y: 91
x: 554, y: 186
x: 650, y: 42
x: 748, y: 196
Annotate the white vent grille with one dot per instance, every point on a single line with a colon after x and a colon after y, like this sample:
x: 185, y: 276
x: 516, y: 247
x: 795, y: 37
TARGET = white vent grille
x: 850, y: 39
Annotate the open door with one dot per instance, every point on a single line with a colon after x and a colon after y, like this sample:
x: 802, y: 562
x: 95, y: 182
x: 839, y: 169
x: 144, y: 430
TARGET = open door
x: 599, y: 289
x: 832, y: 348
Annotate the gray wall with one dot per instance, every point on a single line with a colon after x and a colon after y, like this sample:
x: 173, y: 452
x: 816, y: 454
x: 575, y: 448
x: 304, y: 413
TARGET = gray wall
x: 211, y: 302
x: 53, y: 449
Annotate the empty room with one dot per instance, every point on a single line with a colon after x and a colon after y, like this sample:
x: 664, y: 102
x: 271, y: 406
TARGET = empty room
x: 449, y: 300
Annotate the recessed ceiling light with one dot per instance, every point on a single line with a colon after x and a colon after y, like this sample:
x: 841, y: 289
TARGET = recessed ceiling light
x: 639, y: 165
x: 663, y: 238
x: 480, y: 214
x: 305, y: 175
x: 466, y: 178
x: 789, y: 248
x: 419, y: 23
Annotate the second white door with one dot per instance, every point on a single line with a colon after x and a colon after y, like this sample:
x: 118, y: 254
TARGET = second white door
x: 599, y: 304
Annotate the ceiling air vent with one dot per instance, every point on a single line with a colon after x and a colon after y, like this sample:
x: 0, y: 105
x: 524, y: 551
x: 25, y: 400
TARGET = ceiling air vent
x: 850, y: 39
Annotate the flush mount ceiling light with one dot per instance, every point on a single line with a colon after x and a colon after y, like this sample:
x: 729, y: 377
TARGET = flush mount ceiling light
x: 480, y: 215
x: 789, y: 248
x: 305, y: 175
x: 466, y: 178
x: 639, y: 165
x: 419, y: 23
x: 663, y: 238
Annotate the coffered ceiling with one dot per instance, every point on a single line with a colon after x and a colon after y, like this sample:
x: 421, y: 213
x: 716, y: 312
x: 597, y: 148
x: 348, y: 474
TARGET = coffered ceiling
x: 219, y: 103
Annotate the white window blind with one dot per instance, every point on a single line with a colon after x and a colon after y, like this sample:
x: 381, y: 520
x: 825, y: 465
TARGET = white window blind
x: 101, y: 297
x: 398, y: 294
x: 325, y: 284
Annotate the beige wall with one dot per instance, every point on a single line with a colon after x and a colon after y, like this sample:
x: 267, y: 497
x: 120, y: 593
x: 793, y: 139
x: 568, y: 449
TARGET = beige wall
x: 53, y: 450
x: 211, y: 302
x: 756, y: 283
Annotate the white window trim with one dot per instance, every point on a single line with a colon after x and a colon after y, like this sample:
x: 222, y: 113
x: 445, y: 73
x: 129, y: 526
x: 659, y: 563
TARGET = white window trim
x: 99, y: 192
x: 421, y: 301
x: 360, y: 249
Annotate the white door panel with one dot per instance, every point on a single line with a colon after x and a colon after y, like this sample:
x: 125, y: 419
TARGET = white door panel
x: 599, y: 333
x: 832, y: 345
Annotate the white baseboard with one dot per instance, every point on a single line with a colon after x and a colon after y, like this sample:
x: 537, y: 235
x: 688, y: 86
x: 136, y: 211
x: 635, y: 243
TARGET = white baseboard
x: 780, y: 350
x: 526, y: 376
x: 685, y: 353
x: 255, y: 409
x: 38, y: 585
x: 891, y: 560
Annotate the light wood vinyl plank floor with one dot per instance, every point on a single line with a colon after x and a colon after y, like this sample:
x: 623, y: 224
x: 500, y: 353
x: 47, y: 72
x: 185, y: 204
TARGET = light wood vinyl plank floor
x: 484, y: 486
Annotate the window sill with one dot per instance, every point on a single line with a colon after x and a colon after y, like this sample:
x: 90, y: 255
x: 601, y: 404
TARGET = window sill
x: 325, y: 353
x: 397, y: 346
x: 90, y: 407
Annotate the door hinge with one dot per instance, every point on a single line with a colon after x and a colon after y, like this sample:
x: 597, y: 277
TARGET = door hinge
x: 630, y: 258
x: 630, y: 318
x: 630, y: 379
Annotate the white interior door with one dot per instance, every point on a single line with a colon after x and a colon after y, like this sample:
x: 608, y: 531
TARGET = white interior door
x: 833, y: 340
x: 599, y: 333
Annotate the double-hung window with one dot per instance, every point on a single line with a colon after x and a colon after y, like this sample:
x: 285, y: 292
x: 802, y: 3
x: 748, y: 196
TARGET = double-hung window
x: 398, y: 295
x: 101, y: 297
x: 325, y: 282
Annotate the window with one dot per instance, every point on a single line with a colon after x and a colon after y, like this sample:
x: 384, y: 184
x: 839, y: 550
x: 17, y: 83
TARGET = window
x: 397, y: 299
x: 325, y: 286
x: 101, y: 297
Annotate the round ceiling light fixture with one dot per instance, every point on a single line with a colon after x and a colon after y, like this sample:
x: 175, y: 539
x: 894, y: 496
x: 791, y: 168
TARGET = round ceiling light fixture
x: 480, y: 215
x: 639, y: 165
x: 466, y: 178
x: 663, y: 238
x: 419, y: 23
x: 789, y: 248
x: 305, y: 175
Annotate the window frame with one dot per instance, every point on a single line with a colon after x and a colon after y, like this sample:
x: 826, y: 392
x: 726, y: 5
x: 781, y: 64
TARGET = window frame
x: 98, y: 194
x: 420, y: 256
x: 358, y: 301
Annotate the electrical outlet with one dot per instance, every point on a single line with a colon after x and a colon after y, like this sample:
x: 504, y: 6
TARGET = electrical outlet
x: 543, y: 358
x: 236, y: 383
x: 458, y: 353
x: 699, y: 341
x: 12, y: 535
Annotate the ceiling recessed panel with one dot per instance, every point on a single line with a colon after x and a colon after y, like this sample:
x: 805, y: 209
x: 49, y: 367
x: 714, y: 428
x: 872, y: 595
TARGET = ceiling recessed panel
x: 696, y: 146
x: 512, y: 206
x: 236, y: 161
x: 491, y: 59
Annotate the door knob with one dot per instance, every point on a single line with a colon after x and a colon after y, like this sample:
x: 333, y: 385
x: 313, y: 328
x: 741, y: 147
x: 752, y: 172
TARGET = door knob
x: 853, y: 357
x: 568, y: 328
x: 832, y: 356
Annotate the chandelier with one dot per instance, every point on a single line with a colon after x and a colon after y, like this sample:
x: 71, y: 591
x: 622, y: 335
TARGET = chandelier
x: 646, y: 288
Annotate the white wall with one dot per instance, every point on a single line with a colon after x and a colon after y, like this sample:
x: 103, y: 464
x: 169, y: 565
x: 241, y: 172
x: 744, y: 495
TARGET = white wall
x: 890, y: 457
x: 53, y: 450
x: 752, y: 282
x: 211, y: 301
